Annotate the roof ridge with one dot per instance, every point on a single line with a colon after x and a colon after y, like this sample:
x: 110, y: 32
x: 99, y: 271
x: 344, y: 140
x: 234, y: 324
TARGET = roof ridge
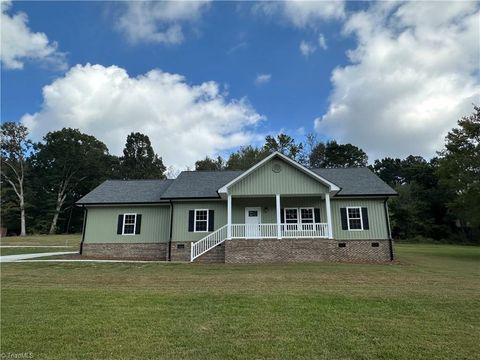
x: 125, y: 180
x: 341, y: 168
x: 211, y: 171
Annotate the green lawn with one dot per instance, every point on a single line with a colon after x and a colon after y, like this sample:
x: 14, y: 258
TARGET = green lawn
x: 425, y: 307
x: 43, y: 240
x: 33, y: 250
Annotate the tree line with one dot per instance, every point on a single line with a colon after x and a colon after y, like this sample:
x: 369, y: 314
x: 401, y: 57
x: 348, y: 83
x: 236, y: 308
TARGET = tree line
x: 439, y: 199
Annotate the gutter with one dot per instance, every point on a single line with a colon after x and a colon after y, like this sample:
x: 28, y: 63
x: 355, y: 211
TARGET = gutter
x: 387, y: 219
x: 171, y: 232
x: 85, y: 214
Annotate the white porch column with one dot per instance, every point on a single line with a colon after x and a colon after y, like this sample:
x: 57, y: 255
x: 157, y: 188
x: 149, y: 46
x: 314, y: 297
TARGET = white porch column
x: 229, y: 217
x: 329, y: 215
x: 278, y: 208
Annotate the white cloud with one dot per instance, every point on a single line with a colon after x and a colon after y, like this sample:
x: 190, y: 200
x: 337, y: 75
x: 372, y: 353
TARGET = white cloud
x: 262, y: 79
x: 322, y: 42
x: 307, y: 48
x: 184, y: 122
x: 302, y: 14
x: 413, y: 73
x: 158, y: 21
x: 19, y: 44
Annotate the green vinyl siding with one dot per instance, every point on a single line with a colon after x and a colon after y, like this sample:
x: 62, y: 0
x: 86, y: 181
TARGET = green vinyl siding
x: 289, y: 181
x: 101, y: 226
x: 376, y: 218
x: 180, y: 218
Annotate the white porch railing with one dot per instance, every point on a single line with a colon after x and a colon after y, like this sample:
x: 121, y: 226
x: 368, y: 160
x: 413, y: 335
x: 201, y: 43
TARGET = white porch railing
x: 314, y: 230
x: 208, y: 242
x: 249, y: 231
x: 269, y: 231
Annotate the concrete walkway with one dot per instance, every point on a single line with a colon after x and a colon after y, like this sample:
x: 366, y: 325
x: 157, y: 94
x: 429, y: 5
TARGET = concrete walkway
x: 100, y: 261
x: 13, y: 258
x: 37, y: 246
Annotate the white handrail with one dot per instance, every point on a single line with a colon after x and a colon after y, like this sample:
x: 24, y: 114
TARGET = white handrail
x: 203, y: 245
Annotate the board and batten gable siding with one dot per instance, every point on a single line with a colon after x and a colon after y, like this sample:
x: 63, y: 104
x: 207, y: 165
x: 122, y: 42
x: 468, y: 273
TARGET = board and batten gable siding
x: 376, y: 217
x: 289, y: 181
x: 101, y: 226
x: 180, y: 218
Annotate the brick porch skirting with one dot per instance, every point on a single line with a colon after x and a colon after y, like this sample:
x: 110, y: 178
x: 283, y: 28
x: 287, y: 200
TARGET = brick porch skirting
x: 126, y: 251
x: 181, y: 252
x: 305, y: 250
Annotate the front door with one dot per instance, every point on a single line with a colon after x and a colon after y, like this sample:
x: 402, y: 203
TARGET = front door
x: 253, y: 218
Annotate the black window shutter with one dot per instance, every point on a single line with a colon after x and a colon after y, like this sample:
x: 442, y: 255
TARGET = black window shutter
x: 366, y: 225
x: 120, y: 224
x: 138, y: 224
x: 282, y: 216
x: 211, y: 219
x: 316, y: 212
x: 343, y: 213
x: 191, y: 218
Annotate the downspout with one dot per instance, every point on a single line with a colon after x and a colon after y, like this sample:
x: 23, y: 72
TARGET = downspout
x: 85, y: 214
x: 387, y: 219
x: 171, y: 232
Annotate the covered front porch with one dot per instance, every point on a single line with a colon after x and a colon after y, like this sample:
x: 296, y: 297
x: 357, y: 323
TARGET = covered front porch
x: 279, y: 217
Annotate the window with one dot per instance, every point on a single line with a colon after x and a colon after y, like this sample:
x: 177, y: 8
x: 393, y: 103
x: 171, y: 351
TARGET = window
x: 354, y: 218
x: 201, y: 220
x: 129, y: 224
x: 307, y: 219
x: 252, y: 213
x: 291, y: 216
x: 307, y: 216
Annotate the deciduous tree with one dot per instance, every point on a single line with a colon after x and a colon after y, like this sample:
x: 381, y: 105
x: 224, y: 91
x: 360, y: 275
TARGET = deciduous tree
x: 210, y: 164
x: 334, y: 155
x: 14, y: 150
x: 459, y: 169
x: 69, y: 163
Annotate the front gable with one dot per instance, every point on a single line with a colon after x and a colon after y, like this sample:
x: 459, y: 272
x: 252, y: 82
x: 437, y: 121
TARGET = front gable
x: 277, y: 175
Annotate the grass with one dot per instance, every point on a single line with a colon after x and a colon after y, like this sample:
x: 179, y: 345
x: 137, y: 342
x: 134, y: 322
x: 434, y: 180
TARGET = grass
x: 42, y: 240
x: 425, y: 307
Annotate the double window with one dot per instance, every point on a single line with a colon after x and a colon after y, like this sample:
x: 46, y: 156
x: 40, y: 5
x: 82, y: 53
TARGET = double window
x: 129, y: 224
x: 299, y: 215
x: 354, y: 218
x: 295, y: 216
x: 201, y: 220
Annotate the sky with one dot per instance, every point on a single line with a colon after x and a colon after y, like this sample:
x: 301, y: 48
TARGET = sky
x: 204, y: 78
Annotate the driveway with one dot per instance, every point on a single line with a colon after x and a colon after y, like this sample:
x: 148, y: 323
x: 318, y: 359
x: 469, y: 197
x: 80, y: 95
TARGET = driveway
x: 13, y: 258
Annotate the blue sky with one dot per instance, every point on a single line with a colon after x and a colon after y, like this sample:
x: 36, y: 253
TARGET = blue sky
x: 374, y: 100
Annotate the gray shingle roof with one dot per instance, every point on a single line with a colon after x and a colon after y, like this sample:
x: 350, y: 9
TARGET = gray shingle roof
x: 204, y: 184
x: 356, y: 181
x: 126, y: 191
x: 199, y: 184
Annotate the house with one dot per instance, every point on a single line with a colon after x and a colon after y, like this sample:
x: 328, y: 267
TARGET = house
x: 276, y: 211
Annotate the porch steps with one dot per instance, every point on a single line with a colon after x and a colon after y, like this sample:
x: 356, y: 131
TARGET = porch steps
x: 214, y: 255
x: 209, y: 242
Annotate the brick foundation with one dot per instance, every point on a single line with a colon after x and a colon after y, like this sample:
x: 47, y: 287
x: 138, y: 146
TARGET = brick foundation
x: 305, y: 250
x: 126, y: 251
x: 251, y: 251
